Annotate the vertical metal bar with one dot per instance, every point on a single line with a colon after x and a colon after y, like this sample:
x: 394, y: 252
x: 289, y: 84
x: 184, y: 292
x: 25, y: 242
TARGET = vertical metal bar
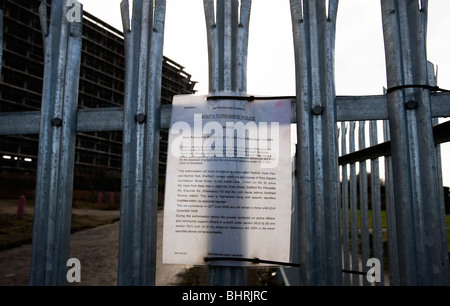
x: 390, y: 214
x: 345, y: 203
x: 227, y: 44
x: 432, y: 79
x: 242, y: 46
x: 363, y: 202
x: 213, y: 45
x: 290, y: 275
x: 419, y: 228
x: 227, y: 36
x: 440, y: 192
x: 377, y: 234
x: 220, y: 22
x: 1, y: 40
x: 320, y: 246
x: 52, y: 215
x: 354, y: 209
x: 230, y: 24
x: 139, y: 198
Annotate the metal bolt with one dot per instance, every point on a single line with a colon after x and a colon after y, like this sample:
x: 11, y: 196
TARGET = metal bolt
x: 140, y: 118
x: 412, y: 104
x: 317, y: 110
x: 56, y: 121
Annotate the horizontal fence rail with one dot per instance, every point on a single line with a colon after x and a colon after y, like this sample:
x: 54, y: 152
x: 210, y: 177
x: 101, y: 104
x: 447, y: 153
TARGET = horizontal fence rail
x: 111, y: 119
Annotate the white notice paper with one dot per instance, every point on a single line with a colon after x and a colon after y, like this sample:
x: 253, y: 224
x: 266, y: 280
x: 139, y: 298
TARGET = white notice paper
x: 229, y: 181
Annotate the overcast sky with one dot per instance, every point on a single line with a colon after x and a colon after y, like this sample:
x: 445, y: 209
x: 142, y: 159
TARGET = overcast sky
x: 360, y: 60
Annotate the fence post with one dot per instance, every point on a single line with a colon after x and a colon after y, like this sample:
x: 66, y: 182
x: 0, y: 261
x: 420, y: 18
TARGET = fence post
x: 390, y: 213
x: 432, y: 78
x: 345, y: 207
x: 142, y: 105
x: 227, y: 33
x: 54, y: 181
x: 375, y: 193
x: 317, y: 156
x: 421, y: 249
x: 363, y: 201
x: 1, y: 40
x: 356, y: 262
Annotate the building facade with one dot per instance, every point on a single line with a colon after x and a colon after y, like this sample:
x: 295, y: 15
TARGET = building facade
x: 101, y: 85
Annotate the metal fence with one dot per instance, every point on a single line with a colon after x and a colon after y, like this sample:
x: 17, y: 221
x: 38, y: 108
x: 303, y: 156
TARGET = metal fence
x: 368, y: 221
x: 331, y: 199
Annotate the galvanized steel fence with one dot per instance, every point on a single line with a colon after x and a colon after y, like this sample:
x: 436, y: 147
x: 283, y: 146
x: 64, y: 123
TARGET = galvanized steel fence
x: 337, y: 222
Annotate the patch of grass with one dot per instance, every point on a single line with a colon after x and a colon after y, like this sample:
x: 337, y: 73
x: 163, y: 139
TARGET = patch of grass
x: 14, y: 232
x: 80, y: 223
x: 84, y: 205
x: 92, y: 205
x: 384, y: 223
x: 370, y: 218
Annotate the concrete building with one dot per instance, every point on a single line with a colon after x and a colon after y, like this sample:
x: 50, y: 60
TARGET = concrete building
x: 98, y: 154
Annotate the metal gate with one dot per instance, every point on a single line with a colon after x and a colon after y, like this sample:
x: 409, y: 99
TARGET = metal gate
x: 330, y: 239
